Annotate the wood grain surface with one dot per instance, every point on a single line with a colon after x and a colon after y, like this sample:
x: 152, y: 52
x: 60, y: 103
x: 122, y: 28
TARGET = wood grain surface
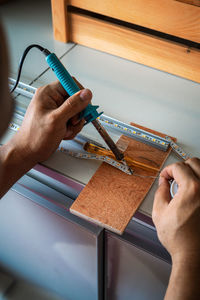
x: 60, y: 20
x: 111, y: 197
x: 192, y: 2
x: 133, y: 45
x: 172, y: 17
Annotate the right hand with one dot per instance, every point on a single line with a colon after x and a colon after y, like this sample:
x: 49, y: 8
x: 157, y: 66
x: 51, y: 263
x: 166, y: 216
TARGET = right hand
x: 49, y: 119
x: 177, y: 220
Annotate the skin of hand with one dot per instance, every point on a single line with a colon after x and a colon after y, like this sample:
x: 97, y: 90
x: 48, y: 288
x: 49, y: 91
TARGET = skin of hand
x: 177, y: 222
x: 49, y: 119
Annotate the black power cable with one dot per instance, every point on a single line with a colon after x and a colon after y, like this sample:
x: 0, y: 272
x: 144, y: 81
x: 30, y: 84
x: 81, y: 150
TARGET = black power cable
x: 45, y: 51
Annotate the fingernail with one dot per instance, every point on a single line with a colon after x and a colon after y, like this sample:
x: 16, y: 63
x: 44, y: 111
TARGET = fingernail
x: 86, y: 95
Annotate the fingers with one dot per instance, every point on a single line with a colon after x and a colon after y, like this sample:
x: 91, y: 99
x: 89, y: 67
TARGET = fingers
x: 75, y: 104
x: 184, y: 174
x: 162, y: 197
x: 194, y: 164
x: 72, y: 131
x: 56, y: 85
x: 75, y: 120
x: 181, y: 172
x: 51, y: 95
x: 57, y: 93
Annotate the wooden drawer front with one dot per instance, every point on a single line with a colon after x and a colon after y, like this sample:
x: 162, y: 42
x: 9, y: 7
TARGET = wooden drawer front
x: 168, y: 16
x: 115, y: 28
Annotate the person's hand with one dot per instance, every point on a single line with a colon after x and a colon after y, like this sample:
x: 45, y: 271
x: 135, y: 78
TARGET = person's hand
x: 49, y: 119
x: 177, y: 220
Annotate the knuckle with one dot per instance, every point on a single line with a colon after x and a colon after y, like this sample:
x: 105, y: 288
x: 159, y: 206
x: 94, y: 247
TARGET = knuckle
x: 71, y: 102
x: 178, y: 164
x: 73, y: 105
x: 43, y: 89
x: 38, y: 90
x: 46, y: 88
x: 194, y: 160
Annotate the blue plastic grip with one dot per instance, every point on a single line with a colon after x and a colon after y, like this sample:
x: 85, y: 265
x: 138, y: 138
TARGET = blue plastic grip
x: 90, y: 112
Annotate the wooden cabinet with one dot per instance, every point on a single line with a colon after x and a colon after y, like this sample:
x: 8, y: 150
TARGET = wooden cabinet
x: 161, y: 34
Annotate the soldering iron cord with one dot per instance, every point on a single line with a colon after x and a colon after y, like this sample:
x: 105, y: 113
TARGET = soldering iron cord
x: 26, y: 51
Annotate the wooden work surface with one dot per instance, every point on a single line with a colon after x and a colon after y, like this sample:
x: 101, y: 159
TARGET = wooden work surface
x: 112, y: 197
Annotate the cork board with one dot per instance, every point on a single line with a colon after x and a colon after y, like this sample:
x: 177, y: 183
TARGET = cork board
x: 111, y: 197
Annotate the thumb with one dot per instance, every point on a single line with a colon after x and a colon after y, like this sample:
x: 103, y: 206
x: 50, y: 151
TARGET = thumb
x: 162, y: 198
x: 75, y: 104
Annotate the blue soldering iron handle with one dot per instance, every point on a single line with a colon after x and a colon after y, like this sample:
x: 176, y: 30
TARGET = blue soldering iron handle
x: 90, y: 112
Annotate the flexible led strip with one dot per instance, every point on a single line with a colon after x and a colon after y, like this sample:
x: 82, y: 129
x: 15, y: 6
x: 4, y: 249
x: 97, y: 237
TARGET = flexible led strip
x: 105, y: 159
x: 177, y: 149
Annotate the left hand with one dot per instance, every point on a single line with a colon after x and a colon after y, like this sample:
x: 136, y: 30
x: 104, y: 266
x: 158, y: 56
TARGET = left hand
x: 177, y: 220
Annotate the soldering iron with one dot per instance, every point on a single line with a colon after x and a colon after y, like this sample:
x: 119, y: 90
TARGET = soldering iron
x: 90, y: 113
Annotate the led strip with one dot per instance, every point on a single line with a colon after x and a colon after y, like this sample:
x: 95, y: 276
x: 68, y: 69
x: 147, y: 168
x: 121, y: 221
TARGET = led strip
x: 128, y: 130
x: 105, y: 159
x: 13, y: 126
x: 177, y: 149
x: 22, y: 88
x: 134, y: 132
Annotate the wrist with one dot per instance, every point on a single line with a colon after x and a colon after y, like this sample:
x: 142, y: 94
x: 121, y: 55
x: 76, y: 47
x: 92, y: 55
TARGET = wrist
x: 184, y: 278
x: 184, y: 259
x: 15, y: 154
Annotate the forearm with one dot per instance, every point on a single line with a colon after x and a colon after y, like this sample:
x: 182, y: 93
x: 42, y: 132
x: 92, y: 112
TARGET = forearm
x: 15, y: 162
x: 184, y: 280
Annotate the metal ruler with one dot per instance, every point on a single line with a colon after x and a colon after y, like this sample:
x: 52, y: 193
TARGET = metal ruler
x: 113, y: 124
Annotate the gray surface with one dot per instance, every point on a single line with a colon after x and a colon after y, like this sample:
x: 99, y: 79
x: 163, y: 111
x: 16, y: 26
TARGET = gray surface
x: 25, y: 23
x: 132, y: 273
x: 47, y: 249
x: 21, y: 290
x: 5, y: 282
